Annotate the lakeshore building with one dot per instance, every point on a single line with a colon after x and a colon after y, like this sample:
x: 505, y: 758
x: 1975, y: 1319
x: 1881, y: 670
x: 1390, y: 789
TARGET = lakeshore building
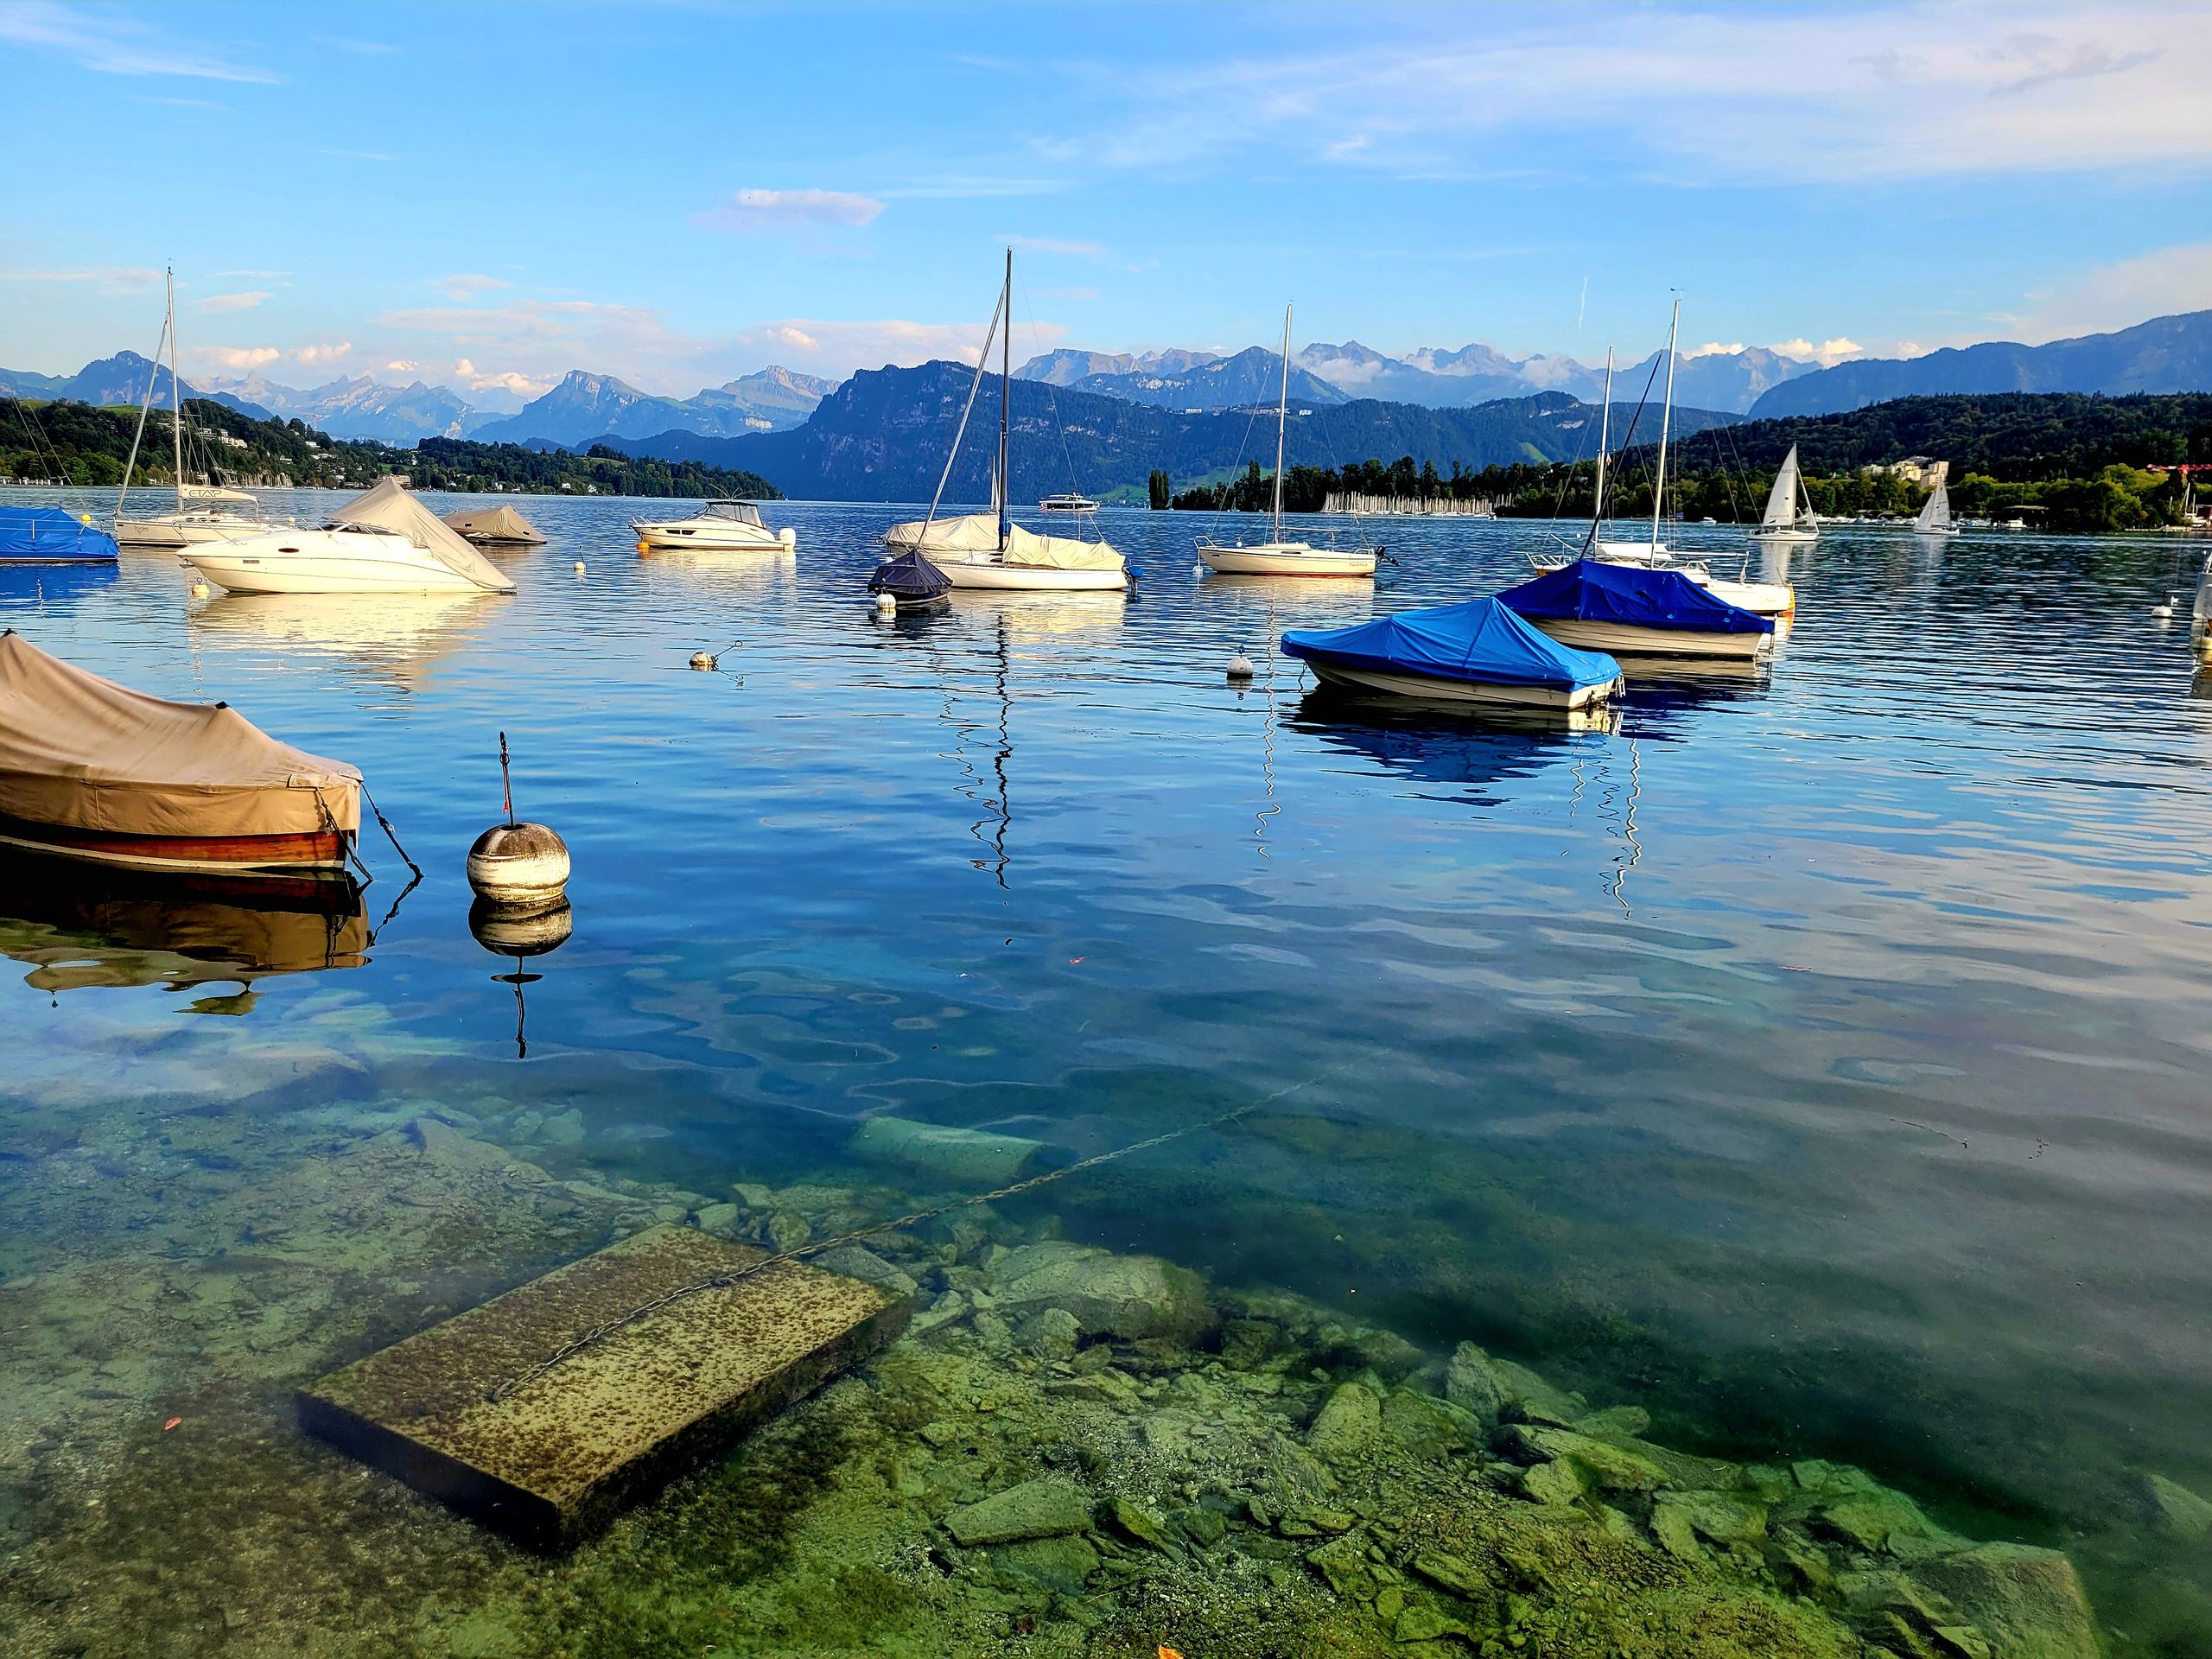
x: 1913, y: 469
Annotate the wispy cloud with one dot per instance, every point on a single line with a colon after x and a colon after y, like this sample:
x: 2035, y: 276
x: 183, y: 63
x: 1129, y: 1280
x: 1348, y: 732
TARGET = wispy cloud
x: 840, y: 347
x: 112, y: 40
x: 2127, y: 291
x: 1054, y: 244
x: 231, y: 301
x: 243, y: 357
x: 475, y: 379
x: 109, y: 279
x: 467, y: 286
x: 1825, y: 353
x: 326, y: 352
x: 751, y: 210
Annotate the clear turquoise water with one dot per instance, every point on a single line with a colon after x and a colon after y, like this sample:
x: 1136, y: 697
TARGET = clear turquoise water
x: 1819, y: 1054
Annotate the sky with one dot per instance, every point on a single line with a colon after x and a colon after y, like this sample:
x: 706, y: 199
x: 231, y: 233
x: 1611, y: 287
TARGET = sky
x: 487, y: 196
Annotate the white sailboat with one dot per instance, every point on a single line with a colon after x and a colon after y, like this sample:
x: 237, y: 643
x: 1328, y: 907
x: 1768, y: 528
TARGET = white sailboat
x: 1276, y: 556
x: 203, y: 511
x: 985, y: 550
x: 1934, y: 518
x: 1781, y: 524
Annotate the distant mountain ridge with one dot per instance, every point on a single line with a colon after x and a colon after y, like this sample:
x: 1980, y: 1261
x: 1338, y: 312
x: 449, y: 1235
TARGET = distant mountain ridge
x: 2165, y: 354
x: 114, y: 381
x: 586, y: 405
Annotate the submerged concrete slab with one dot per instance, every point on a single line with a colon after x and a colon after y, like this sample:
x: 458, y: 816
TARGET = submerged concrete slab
x: 551, y: 1461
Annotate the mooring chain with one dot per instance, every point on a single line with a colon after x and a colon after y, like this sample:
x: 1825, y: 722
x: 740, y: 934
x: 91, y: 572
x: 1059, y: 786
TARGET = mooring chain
x: 723, y: 1280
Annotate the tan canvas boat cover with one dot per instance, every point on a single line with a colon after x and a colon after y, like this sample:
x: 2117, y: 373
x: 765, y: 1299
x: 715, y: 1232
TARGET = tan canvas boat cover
x: 1058, y: 552
x: 386, y: 505
x: 978, y: 532
x: 83, y: 752
x: 493, y: 525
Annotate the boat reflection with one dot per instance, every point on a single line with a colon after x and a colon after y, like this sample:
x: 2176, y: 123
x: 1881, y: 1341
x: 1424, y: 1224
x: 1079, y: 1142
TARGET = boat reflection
x: 1435, y: 744
x: 758, y: 571
x: 52, y: 590
x: 1040, y: 616
x: 399, y: 635
x: 1680, y: 683
x: 81, y: 928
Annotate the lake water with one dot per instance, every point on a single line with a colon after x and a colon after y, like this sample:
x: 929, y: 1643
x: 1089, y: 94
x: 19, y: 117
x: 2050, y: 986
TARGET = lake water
x: 1818, y: 1055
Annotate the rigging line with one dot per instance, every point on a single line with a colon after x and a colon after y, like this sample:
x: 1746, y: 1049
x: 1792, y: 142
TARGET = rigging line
x: 1037, y: 338
x: 733, y: 1276
x: 983, y: 362
x: 392, y: 836
x: 145, y: 405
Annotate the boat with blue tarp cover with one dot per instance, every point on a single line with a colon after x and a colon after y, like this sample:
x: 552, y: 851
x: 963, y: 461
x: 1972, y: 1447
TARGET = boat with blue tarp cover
x: 50, y: 536
x: 1474, y: 651
x: 1637, y: 612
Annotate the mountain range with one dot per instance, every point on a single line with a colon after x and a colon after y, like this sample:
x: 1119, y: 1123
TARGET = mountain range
x: 585, y: 406
x: 881, y: 437
x: 118, y: 380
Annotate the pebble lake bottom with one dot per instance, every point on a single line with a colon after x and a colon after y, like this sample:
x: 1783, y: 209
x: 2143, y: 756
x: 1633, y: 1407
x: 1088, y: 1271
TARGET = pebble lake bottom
x: 1792, y: 1090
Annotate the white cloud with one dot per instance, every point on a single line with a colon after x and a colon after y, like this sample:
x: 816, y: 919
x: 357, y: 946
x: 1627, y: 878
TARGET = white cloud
x: 2117, y: 295
x: 231, y: 301
x: 838, y: 347
x: 109, y: 279
x: 402, y: 365
x: 475, y: 379
x: 238, y: 356
x: 748, y: 211
x: 1715, y: 348
x: 1053, y: 245
x: 328, y: 352
x: 112, y: 40
x: 1826, y: 353
x: 467, y: 286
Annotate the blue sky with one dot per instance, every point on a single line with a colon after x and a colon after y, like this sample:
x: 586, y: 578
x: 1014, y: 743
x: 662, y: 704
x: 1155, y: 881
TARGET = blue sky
x: 677, y: 194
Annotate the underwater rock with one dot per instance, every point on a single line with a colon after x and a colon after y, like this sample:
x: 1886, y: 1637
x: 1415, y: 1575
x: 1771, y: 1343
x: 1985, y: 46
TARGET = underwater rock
x: 1530, y: 1399
x: 963, y: 1157
x: 1050, y: 1335
x: 857, y: 1262
x: 1347, y: 1425
x: 564, y: 1129
x: 449, y: 1146
x: 1471, y: 1385
x: 1616, y: 1423
x: 1047, y: 1507
x: 1063, y: 1564
x: 785, y: 1230
x: 2173, y: 1507
x: 1136, y: 1523
x: 1877, y: 1520
x: 751, y: 1195
x: 1422, y: 1622
x: 721, y: 1220
x: 1558, y: 1482
x: 1343, y: 1562
x: 1718, y: 1517
x: 1458, y: 1576
x: 1128, y: 1296
x: 1610, y: 1467
x: 2029, y: 1602
x: 1419, y: 1428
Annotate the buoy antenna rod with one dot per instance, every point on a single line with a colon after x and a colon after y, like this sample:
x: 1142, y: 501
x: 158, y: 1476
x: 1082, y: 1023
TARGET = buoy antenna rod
x: 506, y: 784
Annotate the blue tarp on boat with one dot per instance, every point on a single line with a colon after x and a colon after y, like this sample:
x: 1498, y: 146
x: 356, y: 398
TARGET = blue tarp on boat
x: 1478, y: 639
x: 50, y: 536
x: 1589, y: 590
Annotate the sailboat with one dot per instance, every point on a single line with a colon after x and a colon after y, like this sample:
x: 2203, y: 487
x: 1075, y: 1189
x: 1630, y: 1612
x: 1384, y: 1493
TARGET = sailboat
x: 1934, y: 518
x: 985, y: 550
x: 1276, y: 556
x: 1780, y: 524
x: 203, y: 511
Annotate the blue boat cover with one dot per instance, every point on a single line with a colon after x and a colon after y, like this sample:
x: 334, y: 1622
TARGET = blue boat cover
x: 1478, y: 639
x: 1591, y: 590
x: 41, y: 533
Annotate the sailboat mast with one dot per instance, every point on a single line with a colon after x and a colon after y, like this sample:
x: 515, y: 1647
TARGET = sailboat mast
x: 1605, y: 443
x: 1666, y: 415
x: 176, y: 394
x: 1006, y: 371
x: 1282, y: 419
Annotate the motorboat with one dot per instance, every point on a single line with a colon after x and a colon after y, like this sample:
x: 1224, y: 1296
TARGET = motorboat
x: 1276, y: 556
x: 93, y: 771
x: 1596, y: 606
x: 500, y: 526
x: 1934, y: 516
x: 1067, y: 501
x: 204, y: 513
x: 731, y: 526
x: 915, y: 585
x: 1781, y: 524
x: 986, y: 550
x: 383, y: 541
x: 1476, y: 652
x: 51, y: 536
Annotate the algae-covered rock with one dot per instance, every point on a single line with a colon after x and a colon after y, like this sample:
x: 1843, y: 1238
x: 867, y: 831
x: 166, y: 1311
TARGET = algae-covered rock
x: 1472, y: 1385
x: 1048, y: 1508
x: 1719, y: 1517
x: 1347, y: 1425
x: 1461, y: 1577
x: 2028, y: 1602
x: 1607, y: 1466
x: 1133, y: 1520
x: 2173, y: 1507
x: 721, y: 1219
x: 1560, y: 1481
x: 1616, y: 1423
x: 965, y: 1158
x: 1419, y: 1428
x: 1050, y: 1335
x: 856, y: 1263
x: 1063, y: 1564
x: 1343, y: 1562
x: 1877, y: 1520
x: 1129, y: 1296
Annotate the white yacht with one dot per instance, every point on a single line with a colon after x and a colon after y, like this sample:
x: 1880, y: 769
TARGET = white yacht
x: 1276, y: 556
x: 730, y: 526
x: 1068, y: 501
x: 1781, y: 524
x: 383, y: 541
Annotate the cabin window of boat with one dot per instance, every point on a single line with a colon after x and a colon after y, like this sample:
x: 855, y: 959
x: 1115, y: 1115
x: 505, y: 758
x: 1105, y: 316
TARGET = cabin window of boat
x: 743, y: 512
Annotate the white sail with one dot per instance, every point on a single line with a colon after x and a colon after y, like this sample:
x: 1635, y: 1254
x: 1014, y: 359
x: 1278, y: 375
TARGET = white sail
x: 1782, y: 500
x: 1935, y: 513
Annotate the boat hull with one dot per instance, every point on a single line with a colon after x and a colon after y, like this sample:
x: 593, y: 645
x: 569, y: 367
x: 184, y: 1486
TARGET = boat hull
x: 1759, y: 598
x: 1029, y: 578
x: 744, y: 540
x: 1622, y: 640
x: 1285, y: 562
x: 1785, y: 538
x: 321, y: 852
x: 238, y: 575
x: 1427, y: 688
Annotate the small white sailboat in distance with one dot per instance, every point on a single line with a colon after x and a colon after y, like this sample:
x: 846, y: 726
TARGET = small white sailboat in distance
x: 1780, y: 525
x: 1934, y: 518
x: 1276, y: 556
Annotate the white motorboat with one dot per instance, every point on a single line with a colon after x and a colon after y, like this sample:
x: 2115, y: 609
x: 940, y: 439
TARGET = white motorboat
x: 203, y: 511
x: 1276, y: 556
x: 1781, y: 524
x: 730, y: 526
x: 1934, y: 518
x: 1068, y: 501
x: 383, y: 541
x: 984, y: 549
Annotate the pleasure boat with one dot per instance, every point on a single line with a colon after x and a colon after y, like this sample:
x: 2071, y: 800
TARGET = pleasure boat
x: 1276, y: 556
x: 1781, y: 524
x: 1067, y: 501
x: 733, y: 526
x: 1595, y: 606
x: 1477, y: 652
x: 1934, y: 516
x: 383, y: 541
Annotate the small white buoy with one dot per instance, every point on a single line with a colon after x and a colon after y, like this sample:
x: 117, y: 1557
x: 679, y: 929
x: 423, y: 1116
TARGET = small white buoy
x: 1240, y: 667
x: 519, y: 867
x: 886, y: 603
x: 580, y: 567
x: 2165, y: 611
x: 198, y: 590
x: 701, y: 660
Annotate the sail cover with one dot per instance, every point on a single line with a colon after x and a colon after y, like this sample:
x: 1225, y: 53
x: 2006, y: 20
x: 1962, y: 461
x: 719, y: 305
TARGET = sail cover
x: 1058, y: 552
x: 82, y: 752
x: 1591, y: 591
x: 36, y: 535
x: 501, y: 523
x: 974, y: 533
x: 1477, y: 640
x: 978, y: 532
x: 1782, y: 500
x: 386, y: 505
